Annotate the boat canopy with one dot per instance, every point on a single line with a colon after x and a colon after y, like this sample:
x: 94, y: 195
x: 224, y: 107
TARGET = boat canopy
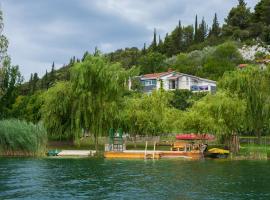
x: 193, y: 136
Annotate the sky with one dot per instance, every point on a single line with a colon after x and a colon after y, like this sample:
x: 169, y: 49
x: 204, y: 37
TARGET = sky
x: 41, y: 32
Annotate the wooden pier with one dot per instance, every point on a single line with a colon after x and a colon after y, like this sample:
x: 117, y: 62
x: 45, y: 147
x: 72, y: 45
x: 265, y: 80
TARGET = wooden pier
x: 140, y: 154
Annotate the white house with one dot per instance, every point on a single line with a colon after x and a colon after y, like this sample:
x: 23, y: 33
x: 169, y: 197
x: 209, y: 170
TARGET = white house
x: 172, y: 80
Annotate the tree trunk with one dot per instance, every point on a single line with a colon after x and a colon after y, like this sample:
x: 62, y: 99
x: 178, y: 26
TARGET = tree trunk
x: 234, y: 143
x: 259, y: 136
x: 135, y: 141
x: 96, y: 143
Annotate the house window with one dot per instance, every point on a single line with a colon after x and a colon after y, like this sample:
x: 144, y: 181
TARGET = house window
x: 172, y: 84
x: 149, y: 82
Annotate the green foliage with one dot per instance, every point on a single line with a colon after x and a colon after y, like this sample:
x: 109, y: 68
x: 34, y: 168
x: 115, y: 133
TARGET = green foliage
x: 128, y: 57
x: 98, y: 87
x: 10, y: 78
x: 220, y: 114
x: 57, y: 111
x: 152, y: 62
x: 210, y: 63
x: 22, y: 138
x: 3, y: 42
x: 149, y: 114
x: 252, y: 85
x: 224, y: 58
x: 28, y: 107
x: 262, y: 13
x: 184, y: 99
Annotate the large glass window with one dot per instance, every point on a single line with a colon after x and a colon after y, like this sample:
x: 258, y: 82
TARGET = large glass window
x: 149, y: 82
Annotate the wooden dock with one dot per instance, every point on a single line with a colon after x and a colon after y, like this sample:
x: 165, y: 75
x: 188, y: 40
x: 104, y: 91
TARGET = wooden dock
x: 140, y: 154
x: 83, y: 153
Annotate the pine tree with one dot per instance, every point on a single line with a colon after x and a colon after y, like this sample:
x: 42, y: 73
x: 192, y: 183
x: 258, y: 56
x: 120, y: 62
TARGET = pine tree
x: 242, y: 3
x: 239, y: 17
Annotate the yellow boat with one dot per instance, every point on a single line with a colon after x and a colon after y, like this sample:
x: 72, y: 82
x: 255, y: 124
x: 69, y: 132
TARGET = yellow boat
x: 217, y: 153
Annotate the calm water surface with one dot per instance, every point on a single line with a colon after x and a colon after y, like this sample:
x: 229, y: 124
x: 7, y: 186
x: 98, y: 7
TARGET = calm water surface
x: 24, y: 178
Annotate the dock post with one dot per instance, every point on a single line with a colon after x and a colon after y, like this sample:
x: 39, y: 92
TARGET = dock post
x: 154, y: 150
x: 145, y: 151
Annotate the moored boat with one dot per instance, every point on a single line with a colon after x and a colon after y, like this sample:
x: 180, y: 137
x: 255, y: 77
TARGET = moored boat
x: 216, y: 153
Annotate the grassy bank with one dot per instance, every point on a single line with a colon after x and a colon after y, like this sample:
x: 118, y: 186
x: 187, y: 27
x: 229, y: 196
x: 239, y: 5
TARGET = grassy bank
x: 20, y: 138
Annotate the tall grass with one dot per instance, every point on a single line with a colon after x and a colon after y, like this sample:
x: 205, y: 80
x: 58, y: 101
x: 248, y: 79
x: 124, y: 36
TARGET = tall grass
x: 22, y: 138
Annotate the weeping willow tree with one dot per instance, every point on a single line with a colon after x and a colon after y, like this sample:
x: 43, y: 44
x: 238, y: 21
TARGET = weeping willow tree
x: 252, y: 85
x: 220, y: 114
x: 149, y: 114
x: 56, y: 111
x: 98, y: 87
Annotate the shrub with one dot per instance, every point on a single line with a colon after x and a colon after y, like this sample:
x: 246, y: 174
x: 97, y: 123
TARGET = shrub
x: 22, y: 138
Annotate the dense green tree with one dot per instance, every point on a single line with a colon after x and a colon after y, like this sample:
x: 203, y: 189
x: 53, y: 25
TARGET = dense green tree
x: 152, y: 62
x: 153, y: 46
x: 238, y: 22
x: 215, y: 29
x: 52, y: 76
x: 252, y: 85
x: 177, y: 37
x: 202, y: 31
x: 3, y: 41
x: 98, y: 87
x: 188, y: 36
x: 57, y: 111
x: 220, y: 114
x: 128, y: 57
x: 225, y: 58
x: 262, y: 12
x: 149, y: 114
x: 28, y: 107
x: 181, y: 99
x: 10, y: 80
x: 196, y: 29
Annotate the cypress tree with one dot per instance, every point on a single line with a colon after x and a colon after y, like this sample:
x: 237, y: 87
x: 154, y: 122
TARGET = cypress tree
x: 196, y: 29
x: 85, y: 55
x: 52, y: 75
x: 34, y: 82
x: 215, y: 30
x: 45, y: 81
x: 202, y: 31
x: 160, y: 45
x: 144, y: 49
x: 153, y: 45
x: 30, y: 83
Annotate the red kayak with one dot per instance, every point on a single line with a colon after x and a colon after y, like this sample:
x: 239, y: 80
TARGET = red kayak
x: 193, y: 136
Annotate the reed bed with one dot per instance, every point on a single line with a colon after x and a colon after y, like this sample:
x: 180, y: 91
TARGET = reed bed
x: 21, y: 138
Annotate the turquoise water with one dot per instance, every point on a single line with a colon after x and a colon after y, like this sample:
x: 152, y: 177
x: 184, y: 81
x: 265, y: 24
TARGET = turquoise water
x: 24, y: 178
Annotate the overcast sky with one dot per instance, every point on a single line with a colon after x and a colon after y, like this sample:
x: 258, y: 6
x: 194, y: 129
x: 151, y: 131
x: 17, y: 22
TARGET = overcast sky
x: 43, y: 31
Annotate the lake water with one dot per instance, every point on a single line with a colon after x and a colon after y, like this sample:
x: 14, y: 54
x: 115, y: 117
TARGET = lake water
x: 24, y: 178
